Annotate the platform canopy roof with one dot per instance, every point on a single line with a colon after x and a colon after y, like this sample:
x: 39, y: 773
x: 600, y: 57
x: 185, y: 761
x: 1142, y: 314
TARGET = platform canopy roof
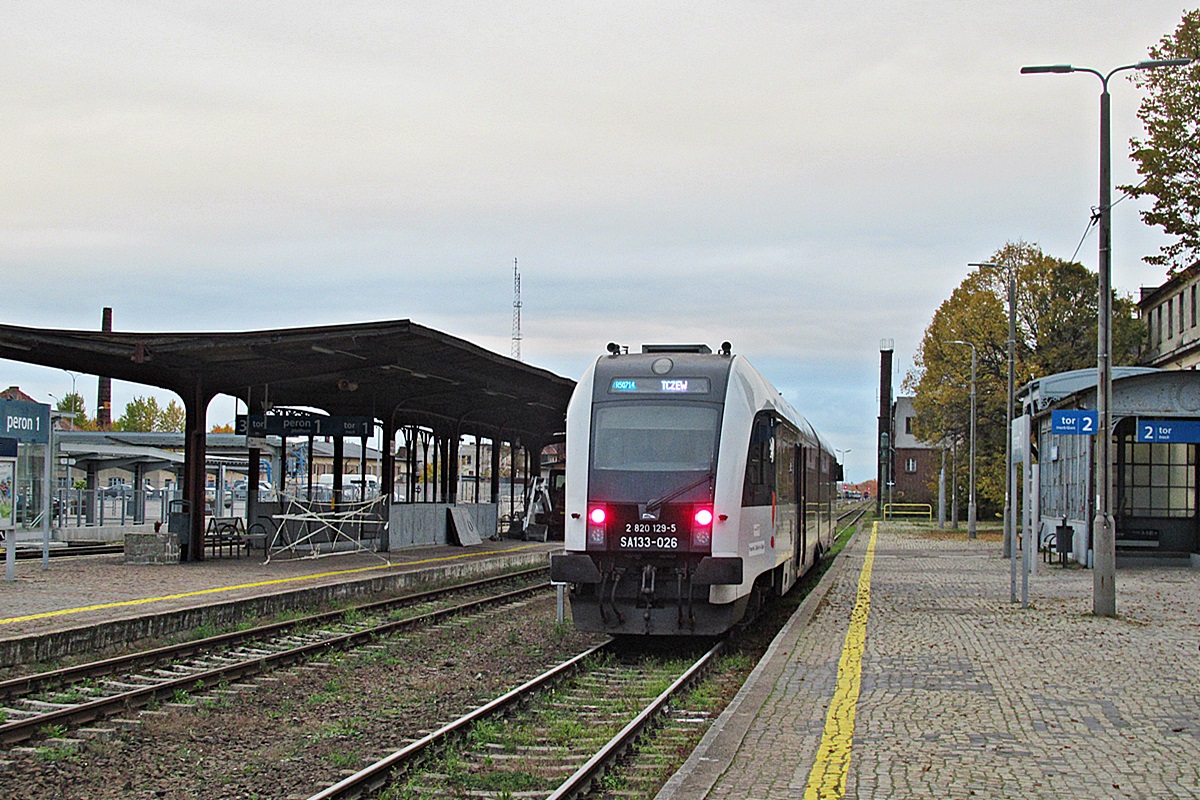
x: 1137, y: 392
x: 396, y: 371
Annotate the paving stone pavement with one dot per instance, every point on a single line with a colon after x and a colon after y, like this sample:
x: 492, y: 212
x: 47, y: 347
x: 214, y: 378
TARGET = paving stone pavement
x: 966, y: 695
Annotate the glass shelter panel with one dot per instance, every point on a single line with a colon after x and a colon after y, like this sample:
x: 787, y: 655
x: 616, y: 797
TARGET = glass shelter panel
x: 1156, y: 479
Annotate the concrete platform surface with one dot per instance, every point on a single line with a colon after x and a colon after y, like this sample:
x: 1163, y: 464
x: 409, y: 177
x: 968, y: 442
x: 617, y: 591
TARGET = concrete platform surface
x: 908, y: 673
x: 86, y: 603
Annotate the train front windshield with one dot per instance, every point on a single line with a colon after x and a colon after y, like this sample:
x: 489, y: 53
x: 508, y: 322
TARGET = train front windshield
x: 639, y: 450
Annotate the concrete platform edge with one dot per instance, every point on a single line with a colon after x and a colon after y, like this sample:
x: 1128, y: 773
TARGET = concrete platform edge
x: 716, y: 751
x: 103, y: 637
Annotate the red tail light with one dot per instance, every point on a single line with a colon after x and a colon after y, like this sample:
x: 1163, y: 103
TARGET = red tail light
x: 597, y: 530
x: 702, y: 519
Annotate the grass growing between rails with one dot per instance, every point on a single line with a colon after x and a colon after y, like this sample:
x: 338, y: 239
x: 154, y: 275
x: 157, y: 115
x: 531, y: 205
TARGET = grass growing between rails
x: 527, y: 752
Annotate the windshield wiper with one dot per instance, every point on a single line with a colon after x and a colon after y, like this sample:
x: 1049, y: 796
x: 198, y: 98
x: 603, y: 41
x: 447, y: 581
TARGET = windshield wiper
x: 657, y: 502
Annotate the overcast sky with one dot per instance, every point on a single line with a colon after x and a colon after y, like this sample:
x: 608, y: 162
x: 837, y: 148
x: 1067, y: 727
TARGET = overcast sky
x: 801, y: 179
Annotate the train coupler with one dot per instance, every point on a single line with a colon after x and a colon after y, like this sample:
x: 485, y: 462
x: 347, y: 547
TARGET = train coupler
x: 647, y: 591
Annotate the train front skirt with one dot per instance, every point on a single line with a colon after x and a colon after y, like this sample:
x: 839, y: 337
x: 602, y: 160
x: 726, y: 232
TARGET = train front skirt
x: 647, y: 599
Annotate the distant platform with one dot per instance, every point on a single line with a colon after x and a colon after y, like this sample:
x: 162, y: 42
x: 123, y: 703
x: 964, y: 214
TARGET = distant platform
x: 96, y: 603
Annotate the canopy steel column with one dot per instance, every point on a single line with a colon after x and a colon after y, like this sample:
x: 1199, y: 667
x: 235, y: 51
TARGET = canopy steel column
x: 195, y: 457
x: 495, y: 477
x: 452, y: 462
x: 339, y: 466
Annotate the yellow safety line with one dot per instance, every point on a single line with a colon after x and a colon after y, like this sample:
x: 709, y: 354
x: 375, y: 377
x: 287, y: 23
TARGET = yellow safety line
x: 274, y: 581
x: 827, y: 781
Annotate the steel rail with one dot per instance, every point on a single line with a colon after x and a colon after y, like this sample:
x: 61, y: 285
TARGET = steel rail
x: 377, y: 775
x: 29, y: 553
x: 17, y: 687
x: 20, y: 730
x: 580, y: 782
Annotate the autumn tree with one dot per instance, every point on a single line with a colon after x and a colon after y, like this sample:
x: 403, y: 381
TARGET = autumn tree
x: 1168, y: 158
x: 1055, y: 332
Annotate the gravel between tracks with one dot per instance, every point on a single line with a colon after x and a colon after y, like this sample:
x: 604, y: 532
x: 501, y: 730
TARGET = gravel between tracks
x: 305, y: 727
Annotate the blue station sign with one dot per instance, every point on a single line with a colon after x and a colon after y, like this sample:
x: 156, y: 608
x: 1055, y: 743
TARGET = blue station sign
x: 25, y: 421
x: 1169, y: 430
x: 274, y: 425
x: 1077, y: 422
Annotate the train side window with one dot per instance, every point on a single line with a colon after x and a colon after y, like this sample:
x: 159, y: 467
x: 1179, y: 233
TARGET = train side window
x: 786, y: 442
x: 759, y: 485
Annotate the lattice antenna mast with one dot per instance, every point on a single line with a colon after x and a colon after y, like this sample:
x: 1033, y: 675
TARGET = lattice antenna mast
x: 516, y: 328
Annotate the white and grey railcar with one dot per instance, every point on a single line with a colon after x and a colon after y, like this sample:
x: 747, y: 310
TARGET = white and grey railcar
x: 692, y: 489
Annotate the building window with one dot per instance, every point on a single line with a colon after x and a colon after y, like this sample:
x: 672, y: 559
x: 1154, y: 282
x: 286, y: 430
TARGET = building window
x: 1181, y: 313
x: 1193, y: 305
x: 1157, y: 480
x: 1170, y: 317
x: 910, y: 466
x: 1158, y: 337
x: 908, y: 425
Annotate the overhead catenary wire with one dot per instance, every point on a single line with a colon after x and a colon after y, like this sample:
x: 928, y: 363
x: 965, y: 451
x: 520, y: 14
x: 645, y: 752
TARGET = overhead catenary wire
x: 1095, y: 215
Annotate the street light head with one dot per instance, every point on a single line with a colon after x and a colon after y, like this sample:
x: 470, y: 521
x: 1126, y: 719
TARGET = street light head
x: 1047, y: 68
x: 982, y: 264
x: 1164, y: 62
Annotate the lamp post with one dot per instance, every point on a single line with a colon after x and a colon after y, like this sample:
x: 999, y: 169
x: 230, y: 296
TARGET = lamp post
x: 971, y: 534
x: 1104, y: 543
x: 73, y: 375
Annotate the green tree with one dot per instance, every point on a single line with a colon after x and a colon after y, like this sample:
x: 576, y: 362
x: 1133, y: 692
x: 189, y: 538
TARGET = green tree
x: 1168, y: 158
x: 1055, y: 332
x: 172, y: 418
x: 145, y: 414
x: 73, y: 403
x: 141, y: 414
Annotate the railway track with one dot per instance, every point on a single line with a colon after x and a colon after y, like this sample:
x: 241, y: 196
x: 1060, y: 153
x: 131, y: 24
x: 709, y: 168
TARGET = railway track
x: 32, y: 705
x: 676, y: 732
x: 73, y: 551
x: 575, y: 721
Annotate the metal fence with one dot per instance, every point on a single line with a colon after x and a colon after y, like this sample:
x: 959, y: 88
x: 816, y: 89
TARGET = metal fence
x: 122, y: 505
x: 115, y: 505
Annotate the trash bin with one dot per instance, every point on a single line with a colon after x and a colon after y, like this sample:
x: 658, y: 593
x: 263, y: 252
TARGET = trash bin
x: 179, y: 522
x: 1064, y: 540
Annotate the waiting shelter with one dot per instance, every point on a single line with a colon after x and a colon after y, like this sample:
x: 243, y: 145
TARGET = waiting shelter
x: 1155, y: 436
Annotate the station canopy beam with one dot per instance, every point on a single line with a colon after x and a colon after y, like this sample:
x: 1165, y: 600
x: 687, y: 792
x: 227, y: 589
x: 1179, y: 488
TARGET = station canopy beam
x: 398, y: 372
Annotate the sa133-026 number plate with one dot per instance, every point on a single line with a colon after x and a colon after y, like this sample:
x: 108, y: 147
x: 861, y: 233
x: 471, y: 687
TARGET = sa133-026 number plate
x: 649, y: 536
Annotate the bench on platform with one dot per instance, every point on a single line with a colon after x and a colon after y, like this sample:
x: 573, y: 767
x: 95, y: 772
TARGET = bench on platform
x: 225, y: 532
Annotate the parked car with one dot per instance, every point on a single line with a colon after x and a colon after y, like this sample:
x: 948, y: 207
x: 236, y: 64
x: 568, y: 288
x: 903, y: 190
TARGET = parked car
x: 117, y: 490
x: 265, y: 490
